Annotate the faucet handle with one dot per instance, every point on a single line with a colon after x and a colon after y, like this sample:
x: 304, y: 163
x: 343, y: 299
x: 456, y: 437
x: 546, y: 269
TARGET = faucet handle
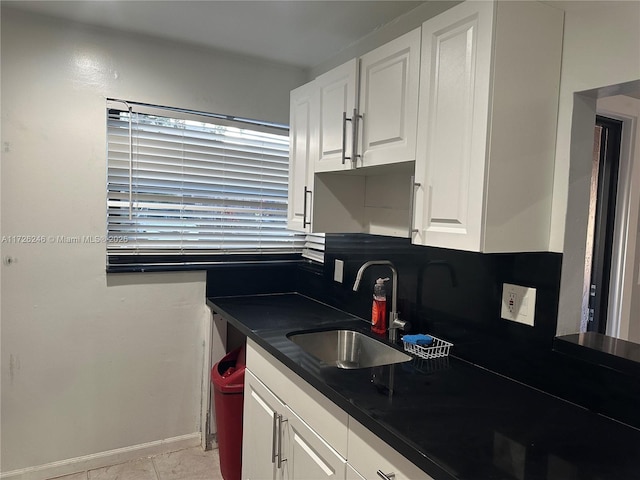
x: 398, y: 324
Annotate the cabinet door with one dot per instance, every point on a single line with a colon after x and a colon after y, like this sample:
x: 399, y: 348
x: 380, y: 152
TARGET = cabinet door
x: 369, y: 455
x: 320, y: 413
x: 258, y: 431
x: 337, y: 91
x: 452, y: 127
x: 352, y: 474
x: 302, y: 155
x: 309, y: 456
x: 389, y: 83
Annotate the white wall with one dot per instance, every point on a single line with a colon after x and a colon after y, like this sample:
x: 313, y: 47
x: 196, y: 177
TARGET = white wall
x: 92, y: 362
x: 389, y: 31
x: 601, y: 47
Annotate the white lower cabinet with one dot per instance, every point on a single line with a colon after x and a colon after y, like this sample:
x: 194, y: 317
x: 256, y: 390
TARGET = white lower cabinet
x: 352, y: 474
x: 309, y: 457
x: 293, y: 432
x: 277, y: 444
x: 259, y: 435
x: 371, y: 458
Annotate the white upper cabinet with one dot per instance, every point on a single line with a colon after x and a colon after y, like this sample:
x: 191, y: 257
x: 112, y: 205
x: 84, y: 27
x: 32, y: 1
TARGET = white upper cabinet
x: 486, y: 128
x: 369, y: 108
x: 303, y: 153
x: 337, y: 93
x: 468, y: 104
x: 389, y: 83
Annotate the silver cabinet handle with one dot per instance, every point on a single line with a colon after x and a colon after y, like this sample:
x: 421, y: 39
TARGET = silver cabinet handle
x: 354, y: 137
x: 304, y: 216
x: 274, y: 437
x: 280, y: 459
x: 412, y: 206
x: 344, y: 137
x: 386, y: 476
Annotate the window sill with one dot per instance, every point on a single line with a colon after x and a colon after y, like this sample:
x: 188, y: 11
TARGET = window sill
x: 160, y: 263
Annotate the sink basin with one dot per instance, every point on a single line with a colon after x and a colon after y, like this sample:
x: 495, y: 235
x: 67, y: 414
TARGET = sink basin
x: 348, y: 349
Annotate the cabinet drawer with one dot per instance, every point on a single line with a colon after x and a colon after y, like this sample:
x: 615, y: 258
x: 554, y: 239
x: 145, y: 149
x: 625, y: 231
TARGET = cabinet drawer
x: 368, y: 455
x: 320, y: 413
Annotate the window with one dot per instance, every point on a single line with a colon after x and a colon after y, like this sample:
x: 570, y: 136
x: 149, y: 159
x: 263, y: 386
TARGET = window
x: 314, y: 247
x: 187, y: 189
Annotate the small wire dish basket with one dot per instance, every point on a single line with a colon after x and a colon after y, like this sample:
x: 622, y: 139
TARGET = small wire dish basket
x: 439, y: 348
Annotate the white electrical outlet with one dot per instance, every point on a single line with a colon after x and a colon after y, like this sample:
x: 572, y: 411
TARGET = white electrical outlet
x: 338, y: 271
x: 518, y: 303
x: 511, y: 302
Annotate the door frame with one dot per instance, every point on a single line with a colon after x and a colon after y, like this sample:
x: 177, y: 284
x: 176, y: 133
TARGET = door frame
x: 601, y: 271
x: 627, y: 210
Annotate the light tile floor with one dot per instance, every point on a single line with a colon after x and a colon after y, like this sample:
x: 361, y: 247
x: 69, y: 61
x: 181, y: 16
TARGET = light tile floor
x: 189, y: 464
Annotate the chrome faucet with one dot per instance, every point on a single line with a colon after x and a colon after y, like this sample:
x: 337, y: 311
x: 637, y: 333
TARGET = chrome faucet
x: 395, y: 322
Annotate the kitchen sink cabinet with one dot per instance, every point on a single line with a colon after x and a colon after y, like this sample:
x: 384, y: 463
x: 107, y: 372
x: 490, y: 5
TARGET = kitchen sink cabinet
x: 489, y: 76
x: 285, y: 415
x: 260, y: 407
x: 309, y: 456
x: 277, y: 444
x: 321, y: 414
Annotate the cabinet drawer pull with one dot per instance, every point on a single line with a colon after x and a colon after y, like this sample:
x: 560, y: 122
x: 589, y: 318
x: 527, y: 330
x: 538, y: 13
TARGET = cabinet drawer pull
x: 386, y: 476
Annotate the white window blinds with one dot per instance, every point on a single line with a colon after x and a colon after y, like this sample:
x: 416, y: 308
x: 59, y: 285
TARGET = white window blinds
x: 314, y: 247
x: 187, y: 186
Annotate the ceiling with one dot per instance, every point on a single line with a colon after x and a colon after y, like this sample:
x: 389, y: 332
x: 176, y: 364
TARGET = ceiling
x: 302, y: 33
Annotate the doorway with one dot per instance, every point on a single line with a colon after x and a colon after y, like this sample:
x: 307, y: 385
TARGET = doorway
x: 601, y: 224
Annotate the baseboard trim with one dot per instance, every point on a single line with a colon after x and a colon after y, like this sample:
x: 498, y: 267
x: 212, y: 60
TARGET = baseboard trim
x: 103, y: 459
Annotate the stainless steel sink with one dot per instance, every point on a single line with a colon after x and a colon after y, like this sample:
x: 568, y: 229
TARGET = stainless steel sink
x: 348, y: 349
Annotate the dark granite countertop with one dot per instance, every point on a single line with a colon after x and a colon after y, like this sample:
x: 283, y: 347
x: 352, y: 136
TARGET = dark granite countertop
x: 601, y: 349
x: 453, y: 419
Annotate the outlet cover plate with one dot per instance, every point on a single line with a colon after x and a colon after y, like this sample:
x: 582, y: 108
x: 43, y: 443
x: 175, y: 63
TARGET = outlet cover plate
x: 338, y: 271
x: 518, y: 303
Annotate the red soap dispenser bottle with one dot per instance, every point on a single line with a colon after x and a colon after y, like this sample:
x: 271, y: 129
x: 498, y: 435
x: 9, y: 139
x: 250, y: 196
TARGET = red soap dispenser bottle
x: 379, y: 307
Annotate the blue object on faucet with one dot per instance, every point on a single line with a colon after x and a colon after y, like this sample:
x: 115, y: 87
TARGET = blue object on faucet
x: 419, y: 339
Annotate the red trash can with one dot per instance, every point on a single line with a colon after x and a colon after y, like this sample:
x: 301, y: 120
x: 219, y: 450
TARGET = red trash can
x: 227, y: 378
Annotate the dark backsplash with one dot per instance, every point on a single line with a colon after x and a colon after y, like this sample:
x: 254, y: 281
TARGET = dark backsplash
x: 456, y: 296
x: 455, y: 293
